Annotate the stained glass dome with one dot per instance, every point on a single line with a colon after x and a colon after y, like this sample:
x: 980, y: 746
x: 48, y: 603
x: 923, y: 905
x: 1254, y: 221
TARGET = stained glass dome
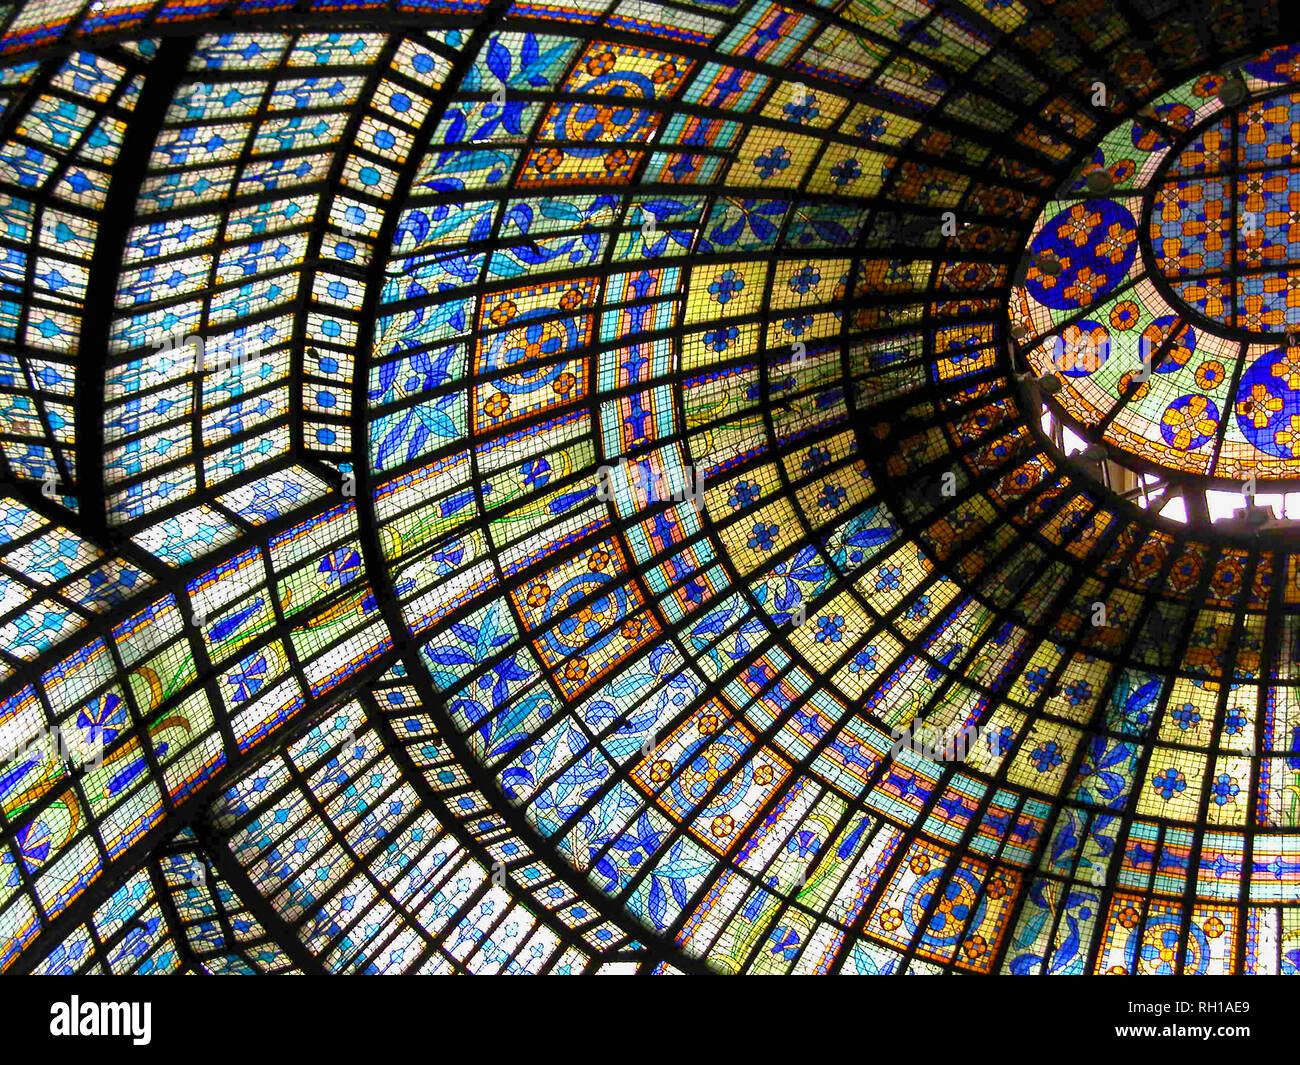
x: 500, y: 486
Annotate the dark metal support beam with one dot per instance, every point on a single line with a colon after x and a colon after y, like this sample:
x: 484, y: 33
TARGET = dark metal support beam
x: 128, y: 175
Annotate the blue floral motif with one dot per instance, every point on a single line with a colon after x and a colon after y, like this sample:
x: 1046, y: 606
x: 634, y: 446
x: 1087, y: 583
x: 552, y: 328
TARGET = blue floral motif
x: 816, y: 458
x: 1078, y: 691
x: 864, y: 661
x: 727, y: 285
x: 743, y: 494
x: 801, y: 108
x: 803, y: 279
x: 773, y: 161
x: 1046, y: 756
x: 889, y: 579
x: 873, y: 128
x: 1186, y: 716
x: 1225, y: 789
x: 832, y: 495
x: 830, y: 629
x: 845, y: 171
x: 719, y: 339
x: 920, y: 608
x: 1169, y: 782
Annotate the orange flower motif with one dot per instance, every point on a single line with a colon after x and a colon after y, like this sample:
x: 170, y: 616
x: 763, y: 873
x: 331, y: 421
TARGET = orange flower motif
x: 1209, y: 295
x: 1289, y: 438
x: 548, y: 160
x: 661, y: 770
x: 616, y: 159
x: 1288, y: 371
x: 723, y: 826
x: 1115, y: 243
x: 563, y: 384
x: 1207, y: 85
x: 497, y: 404
x: 504, y: 312
x: 576, y: 670
x: 1209, y: 374
x: 1086, y: 285
x: 1079, y: 226
x: 1083, y: 350
x: 600, y: 63
x: 1124, y: 315
x: 665, y: 72
x: 1189, y: 422
x: 1259, y: 406
x: 1254, y: 128
x: 538, y: 594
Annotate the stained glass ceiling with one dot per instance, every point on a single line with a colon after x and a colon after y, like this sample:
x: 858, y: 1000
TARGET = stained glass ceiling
x: 517, y: 487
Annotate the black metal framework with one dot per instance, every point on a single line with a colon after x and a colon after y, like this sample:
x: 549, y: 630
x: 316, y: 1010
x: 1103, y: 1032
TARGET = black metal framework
x: 1077, y: 565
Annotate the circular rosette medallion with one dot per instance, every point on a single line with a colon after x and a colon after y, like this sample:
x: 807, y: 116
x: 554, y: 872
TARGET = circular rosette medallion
x: 1189, y: 422
x: 526, y: 349
x: 705, y: 762
x: 1081, y: 349
x: 961, y: 906
x: 595, y: 624
x: 1268, y: 403
x: 1178, y: 353
x: 1162, y: 948
x: 614, y: 119
x: 1094, y: 242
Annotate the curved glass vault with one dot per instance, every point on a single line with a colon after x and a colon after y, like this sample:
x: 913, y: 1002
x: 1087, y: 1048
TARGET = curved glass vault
x: 503, y: 486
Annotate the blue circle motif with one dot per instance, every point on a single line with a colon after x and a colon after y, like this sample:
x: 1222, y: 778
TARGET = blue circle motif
x: 720, y: 753
x: 1081, y: 362
x: 612, y: 117
x: 1268, y: 404
x: 962, y: 906
x: 1096, y: 242
x: 1200, y: 411
x: 576, y: 633
x: 1182, y: 349
x: 529, y: 341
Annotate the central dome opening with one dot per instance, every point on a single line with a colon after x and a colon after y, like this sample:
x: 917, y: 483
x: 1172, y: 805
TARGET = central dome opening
x: 1161, y: 289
